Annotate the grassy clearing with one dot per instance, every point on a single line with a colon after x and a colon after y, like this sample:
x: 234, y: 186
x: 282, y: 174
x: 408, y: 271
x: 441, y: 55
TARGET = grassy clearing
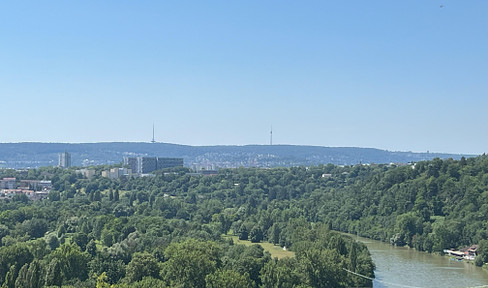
x: 276, y: 251
x: 106, y: 192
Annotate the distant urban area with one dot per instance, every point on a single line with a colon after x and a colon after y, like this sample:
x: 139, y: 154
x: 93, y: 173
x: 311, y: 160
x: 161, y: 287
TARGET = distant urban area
x: 30, y: 189
x: 201, y: 160
x: 35, y: 155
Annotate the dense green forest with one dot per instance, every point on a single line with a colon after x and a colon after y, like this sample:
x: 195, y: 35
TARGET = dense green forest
x: 166, y: 231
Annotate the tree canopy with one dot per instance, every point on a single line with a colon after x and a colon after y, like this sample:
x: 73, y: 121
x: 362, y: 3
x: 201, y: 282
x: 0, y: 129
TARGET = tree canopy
x: 168, y: 229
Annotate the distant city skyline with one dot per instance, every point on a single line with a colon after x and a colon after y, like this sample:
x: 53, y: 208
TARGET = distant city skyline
x: 409, y: 76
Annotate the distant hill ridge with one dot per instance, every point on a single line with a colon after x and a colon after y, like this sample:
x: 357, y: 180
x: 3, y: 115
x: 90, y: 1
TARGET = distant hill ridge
x: 34, y: 154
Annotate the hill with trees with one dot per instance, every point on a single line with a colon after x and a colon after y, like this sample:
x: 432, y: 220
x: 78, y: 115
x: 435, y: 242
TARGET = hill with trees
x: 35, y: 155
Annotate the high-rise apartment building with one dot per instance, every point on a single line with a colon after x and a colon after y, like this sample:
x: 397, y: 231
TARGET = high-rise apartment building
x: 169, y: 162
x: 64, y: 160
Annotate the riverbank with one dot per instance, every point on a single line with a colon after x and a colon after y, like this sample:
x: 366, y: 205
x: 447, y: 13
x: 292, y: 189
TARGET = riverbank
x: 403, y: 266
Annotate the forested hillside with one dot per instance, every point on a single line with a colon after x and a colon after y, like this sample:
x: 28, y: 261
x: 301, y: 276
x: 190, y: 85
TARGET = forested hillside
x: 430, y: 206
x: 166, y: 231
x: 144, y: 230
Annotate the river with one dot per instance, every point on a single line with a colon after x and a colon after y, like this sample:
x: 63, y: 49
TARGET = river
x: 404, y: 267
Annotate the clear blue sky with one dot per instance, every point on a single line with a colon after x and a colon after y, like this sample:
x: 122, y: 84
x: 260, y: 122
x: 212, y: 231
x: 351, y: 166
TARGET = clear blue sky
x: 395, y: 75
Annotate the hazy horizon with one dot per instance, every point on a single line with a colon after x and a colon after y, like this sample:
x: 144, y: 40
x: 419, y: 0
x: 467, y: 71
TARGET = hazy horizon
x: 243, y: 145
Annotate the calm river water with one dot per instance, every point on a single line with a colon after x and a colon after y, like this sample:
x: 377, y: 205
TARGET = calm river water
x: 404, y: 267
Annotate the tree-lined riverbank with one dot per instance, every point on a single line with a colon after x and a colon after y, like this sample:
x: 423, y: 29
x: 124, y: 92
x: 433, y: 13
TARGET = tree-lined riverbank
x: 406, y: 267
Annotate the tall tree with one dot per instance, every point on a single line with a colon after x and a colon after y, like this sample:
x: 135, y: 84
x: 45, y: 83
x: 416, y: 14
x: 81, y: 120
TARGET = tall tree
x: 228, y: 278
x: 35, y: 274
x: 53, y: 273
x: 142, y: 265
x: 190, y: 262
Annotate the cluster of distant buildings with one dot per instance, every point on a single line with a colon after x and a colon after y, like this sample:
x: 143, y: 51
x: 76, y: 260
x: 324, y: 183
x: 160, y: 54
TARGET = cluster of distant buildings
x: 116, y: 173
x: 39, y: 189
x: 33, y: 189
x: 145, y: 165
x: 468, y: 253
x: 113, y: 173
x: 136, y: 165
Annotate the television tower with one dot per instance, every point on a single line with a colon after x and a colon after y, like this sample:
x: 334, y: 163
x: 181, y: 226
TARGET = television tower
x: 153, y: 141
x: 271, y: 136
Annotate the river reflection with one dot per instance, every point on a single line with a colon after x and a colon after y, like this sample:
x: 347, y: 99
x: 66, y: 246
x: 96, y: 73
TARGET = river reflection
x: 404, y: 267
